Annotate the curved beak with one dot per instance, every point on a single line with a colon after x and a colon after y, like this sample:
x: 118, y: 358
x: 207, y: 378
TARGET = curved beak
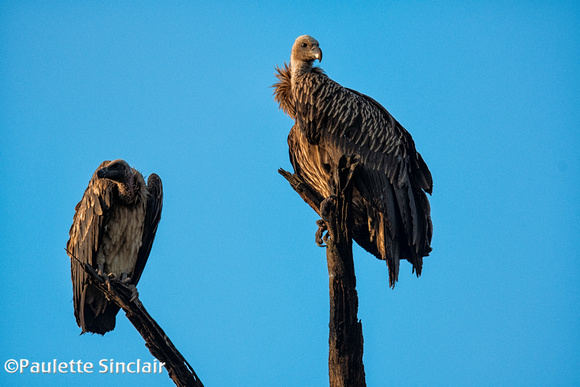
x: 318, y: 53
x: 112, y: 174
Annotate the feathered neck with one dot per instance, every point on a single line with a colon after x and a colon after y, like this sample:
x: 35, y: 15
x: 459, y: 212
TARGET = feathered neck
x: 299, y: 67
x: 130, y: 191
x: 283, y: 88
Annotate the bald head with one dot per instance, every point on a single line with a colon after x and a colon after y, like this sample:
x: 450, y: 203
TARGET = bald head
x: 119, y: 172
x: 304, y: 52
x: 306, y: 49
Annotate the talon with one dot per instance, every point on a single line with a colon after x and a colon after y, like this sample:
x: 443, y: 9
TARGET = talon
x: 101, y: 273
x: 134, y: 292
x: 108, y: 281
x: 319, y: 237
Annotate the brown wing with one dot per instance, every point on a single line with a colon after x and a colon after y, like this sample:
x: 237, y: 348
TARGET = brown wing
x: 404, y: 188
x: 90, y: 218
x: 152, y: 217
x: 357, y: 123
x: 392, y: 179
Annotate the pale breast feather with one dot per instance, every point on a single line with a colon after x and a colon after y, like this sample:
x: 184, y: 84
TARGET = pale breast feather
x: 122, y: 239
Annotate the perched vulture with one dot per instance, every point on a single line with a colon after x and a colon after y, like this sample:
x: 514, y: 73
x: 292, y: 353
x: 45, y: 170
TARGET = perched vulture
x: 113, y: 230
x: 390, y: 208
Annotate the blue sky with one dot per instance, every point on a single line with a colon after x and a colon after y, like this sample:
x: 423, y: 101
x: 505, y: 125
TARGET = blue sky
x: 489, y: 90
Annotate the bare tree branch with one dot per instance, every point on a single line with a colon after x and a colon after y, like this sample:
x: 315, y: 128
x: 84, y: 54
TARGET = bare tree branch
x: 345, y: 357
x: 310, y: 196
x: 160, y: 346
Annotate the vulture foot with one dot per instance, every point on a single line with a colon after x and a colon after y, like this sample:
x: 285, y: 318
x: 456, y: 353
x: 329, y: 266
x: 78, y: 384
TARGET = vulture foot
x: 105, y: 277
x: 113, y: 276
x: 319, y: 237
x: 125, y: 278
x: 326, y: 206
x: 134, y: 292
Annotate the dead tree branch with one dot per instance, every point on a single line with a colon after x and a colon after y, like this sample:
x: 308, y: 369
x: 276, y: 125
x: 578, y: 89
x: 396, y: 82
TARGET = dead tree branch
x: 345, y: 358
x: 160, y: 346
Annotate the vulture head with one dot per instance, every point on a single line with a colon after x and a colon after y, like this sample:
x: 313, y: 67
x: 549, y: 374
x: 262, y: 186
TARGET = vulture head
x: 304, y: 52
x: 123, y: 176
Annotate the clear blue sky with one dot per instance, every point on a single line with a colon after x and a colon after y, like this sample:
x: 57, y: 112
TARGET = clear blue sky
x: 489, y: 90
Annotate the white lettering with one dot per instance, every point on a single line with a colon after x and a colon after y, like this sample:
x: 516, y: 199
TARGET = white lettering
x: 120, y: 363
x: 146, y: 368
x: 47, y: 370
x: 104, y: 366
x: 23, y: 364
x: 62, y: 366
x: 80, y: 367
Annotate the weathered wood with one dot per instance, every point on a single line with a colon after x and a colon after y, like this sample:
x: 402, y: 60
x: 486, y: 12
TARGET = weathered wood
x: 309, y: 195
x: 346, y: 340
x: 345, y: 357
x: 160, y: 346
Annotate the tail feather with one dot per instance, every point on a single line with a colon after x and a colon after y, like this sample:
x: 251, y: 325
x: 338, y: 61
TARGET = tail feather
x: 96, y: 314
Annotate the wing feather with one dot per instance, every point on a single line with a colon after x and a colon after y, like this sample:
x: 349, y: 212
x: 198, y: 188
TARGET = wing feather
x: 393, y: 177
x: 152, y: 217
x: 86, y: 232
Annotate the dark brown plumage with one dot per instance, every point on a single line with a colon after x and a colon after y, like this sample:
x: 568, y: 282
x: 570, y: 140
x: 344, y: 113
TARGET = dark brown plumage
x: 390, y: 208
x: 113, y: 230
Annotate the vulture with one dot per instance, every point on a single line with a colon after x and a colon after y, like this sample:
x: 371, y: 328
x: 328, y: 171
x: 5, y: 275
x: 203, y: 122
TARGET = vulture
x: 113, y: 230
x: 390, y: 208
